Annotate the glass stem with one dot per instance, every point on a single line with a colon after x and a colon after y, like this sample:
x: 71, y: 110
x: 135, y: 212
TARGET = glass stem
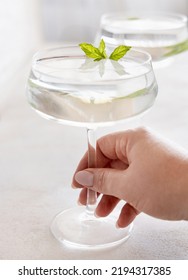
x: 91, y: 195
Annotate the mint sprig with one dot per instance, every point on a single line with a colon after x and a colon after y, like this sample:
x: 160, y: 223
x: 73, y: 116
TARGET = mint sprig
x: 100, y: 52
x: 119, y: 52
x: 93, y: 52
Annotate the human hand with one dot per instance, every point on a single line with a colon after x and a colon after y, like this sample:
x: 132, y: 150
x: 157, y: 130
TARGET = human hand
x: 136, y: 166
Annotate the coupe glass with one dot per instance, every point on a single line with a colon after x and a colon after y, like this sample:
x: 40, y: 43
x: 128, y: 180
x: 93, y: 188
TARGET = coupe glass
x: 71, y: 89
x: 163, y: 35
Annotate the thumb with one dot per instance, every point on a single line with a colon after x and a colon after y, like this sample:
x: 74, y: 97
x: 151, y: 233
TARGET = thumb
x: 103, y: 180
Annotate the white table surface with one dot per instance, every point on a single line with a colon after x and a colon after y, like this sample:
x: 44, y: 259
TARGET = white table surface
x: 38, y: 157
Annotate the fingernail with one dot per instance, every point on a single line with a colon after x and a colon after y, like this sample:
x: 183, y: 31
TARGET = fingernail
x: 84, y: 178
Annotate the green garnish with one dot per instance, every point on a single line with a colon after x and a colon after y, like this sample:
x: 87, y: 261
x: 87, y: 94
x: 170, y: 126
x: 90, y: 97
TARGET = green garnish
x: 137, y: 93
x: 178, y: 48
x: 100, y: 52
x: 92, y: 51
x: 102, y: 47
x: 119, y: 52
x: 133, y: 18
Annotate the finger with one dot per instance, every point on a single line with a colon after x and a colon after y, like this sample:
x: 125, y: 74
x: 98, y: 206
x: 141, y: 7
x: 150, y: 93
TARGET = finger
x: 107, y: 181
x: 101, y: 161
x: 127, y: 215
x: 106, y: 205
x: 109, y: 148
x: 114, y: 146
x: 116, y: 164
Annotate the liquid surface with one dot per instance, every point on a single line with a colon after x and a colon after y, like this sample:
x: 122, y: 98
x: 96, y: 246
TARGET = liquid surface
x: 82, y: 92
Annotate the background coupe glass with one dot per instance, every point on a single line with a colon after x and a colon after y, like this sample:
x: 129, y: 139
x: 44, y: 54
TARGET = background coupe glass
x: 69, y: 88
x: 162, y: 35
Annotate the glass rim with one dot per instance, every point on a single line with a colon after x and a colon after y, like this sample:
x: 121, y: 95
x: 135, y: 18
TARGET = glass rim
x: 37, y: 55
x: 46, y: 54
x: 182, y: 17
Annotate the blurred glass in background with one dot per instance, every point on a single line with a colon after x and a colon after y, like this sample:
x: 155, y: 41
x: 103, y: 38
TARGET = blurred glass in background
x: 26, y: 25
x: 78, y: 20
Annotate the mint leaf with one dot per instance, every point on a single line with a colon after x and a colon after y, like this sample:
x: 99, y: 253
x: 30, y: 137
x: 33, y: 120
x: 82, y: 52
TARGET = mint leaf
x: 102, y: 47
x: 100, y: 52
x: 119, y: 52
x: 92, y: 51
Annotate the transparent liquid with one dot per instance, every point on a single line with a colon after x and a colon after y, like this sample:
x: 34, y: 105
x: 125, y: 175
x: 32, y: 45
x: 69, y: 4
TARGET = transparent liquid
x: 82, y: 95
x: 158, y: 36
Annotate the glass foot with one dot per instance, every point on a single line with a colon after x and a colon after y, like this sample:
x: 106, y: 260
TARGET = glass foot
x: 77, y: 228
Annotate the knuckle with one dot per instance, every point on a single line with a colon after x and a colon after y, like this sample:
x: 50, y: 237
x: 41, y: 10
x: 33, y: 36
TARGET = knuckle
x: 143, y: 131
